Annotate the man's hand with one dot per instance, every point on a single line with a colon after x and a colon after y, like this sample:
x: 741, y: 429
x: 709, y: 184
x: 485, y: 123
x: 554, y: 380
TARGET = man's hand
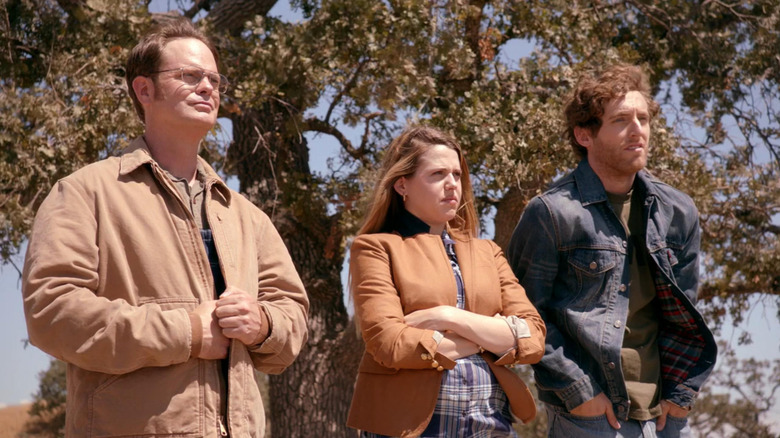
x: 598, y: 405
x: 214, y: 345
x: 668, y: 408
x: 240, y: 316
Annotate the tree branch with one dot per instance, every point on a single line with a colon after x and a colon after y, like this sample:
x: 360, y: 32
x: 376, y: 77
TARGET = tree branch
x: 645, y: 9
x: 347, y: 88
x: 321, y: 126
x: 709, y: 291
x: 230, y: 16
x: 367, y: 132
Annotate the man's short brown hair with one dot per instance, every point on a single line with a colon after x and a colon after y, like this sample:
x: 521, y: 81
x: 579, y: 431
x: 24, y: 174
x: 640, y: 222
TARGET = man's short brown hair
x: 145, y: 57
x: 594, y: 91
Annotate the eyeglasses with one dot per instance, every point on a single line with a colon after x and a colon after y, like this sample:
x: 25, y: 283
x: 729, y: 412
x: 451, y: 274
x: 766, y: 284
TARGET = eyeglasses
x: 193, y: 76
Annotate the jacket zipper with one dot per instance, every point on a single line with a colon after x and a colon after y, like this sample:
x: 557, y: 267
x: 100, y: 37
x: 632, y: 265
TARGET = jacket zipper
x: 221, y: 424
x: 175, y: 193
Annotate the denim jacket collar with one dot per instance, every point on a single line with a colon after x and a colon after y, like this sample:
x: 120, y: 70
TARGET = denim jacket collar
x: 592, y: 190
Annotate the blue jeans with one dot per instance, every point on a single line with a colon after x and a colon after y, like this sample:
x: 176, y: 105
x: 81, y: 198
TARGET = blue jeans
x: 561, y: 424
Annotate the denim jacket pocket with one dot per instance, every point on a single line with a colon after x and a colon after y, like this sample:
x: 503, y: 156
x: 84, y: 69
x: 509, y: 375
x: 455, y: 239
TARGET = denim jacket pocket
x: 590, y: 268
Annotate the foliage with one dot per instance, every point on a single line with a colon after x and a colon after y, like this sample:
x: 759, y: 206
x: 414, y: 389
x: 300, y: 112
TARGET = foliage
x: 47, y: 413
x: 64, y: 101
x: 63, y: 98
x: 739, y: 399
x: 357, y: 71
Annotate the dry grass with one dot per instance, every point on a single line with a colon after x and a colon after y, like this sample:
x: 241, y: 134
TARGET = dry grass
x: 12, y: 419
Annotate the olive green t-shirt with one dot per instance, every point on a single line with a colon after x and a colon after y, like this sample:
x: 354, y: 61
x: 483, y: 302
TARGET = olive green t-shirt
x: 639, y: 354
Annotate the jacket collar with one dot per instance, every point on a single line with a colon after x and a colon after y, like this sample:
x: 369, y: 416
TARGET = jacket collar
x: 408, y: 225
x: 592, y: 190
x: 137, y: 154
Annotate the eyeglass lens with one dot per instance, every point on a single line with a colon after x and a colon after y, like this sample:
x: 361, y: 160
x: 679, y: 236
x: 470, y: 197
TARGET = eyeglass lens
x: 194, y: 76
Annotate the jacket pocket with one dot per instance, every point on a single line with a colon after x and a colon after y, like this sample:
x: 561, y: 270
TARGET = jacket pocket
x: 150, y: 401
x: 590, y: 268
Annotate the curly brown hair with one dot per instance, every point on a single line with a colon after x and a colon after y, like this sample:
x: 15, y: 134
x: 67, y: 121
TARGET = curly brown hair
x: 595, y: 90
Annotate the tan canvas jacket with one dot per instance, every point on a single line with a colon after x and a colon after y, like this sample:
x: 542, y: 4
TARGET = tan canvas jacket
x: 114, y: 264
x: 398, y: 382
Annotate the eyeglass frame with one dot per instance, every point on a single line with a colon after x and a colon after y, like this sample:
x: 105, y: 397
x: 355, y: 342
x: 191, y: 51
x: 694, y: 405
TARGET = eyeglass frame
x: 203, y: 74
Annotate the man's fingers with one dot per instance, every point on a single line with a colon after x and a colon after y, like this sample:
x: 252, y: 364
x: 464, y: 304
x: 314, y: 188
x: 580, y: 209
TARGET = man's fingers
x: 612, y: 419
x: 660, y: 423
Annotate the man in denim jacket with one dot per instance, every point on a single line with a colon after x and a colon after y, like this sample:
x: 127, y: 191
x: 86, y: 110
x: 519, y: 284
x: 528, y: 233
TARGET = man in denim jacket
x: 610, y: 257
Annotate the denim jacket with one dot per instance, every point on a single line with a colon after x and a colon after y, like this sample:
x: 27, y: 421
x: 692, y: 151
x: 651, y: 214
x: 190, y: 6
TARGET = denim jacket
x: 569, y: 251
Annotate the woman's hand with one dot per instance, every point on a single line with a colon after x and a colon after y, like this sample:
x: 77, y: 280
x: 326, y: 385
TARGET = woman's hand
x: 435, y: 318
x: 491, y: 333
x: 455, y: 347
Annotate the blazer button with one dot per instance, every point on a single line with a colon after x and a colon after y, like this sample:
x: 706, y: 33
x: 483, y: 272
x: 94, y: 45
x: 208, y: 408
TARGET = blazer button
x: 440, y: 368
x: 425, y: 356
x: 434, y: 364
x: 593, y: 265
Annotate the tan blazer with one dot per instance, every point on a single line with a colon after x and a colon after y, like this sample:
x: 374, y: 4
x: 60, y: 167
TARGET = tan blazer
x: 400, y: 372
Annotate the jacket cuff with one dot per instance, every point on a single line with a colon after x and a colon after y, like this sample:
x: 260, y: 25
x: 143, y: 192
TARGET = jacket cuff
x: 197, y: 335
x: 579, y: 392
x: 430, y: 343
x: 520, y: 330
x: 265, y: 328
x: 271, y: 342
x: 681, y: 396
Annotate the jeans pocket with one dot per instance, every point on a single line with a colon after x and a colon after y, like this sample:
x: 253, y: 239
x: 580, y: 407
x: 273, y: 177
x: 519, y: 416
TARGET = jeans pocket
x: 564, y: 424
x: 676, y: 427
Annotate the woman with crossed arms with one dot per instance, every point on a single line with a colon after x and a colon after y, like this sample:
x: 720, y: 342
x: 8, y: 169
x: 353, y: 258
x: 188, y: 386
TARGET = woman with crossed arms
x: 440, y: 311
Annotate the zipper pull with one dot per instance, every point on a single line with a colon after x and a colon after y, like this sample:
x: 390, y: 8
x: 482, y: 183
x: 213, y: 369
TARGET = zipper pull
x: 222, y: 428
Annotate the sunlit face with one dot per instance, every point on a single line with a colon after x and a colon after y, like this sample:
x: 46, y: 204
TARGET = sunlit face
x: 177, y: 104
x: 620, y: 148
x: 433, y: 192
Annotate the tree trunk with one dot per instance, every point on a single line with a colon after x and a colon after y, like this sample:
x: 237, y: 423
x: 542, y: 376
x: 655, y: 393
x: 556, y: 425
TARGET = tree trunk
x: 508, y: 212
x: 511, y: 206
x: 311, y: 398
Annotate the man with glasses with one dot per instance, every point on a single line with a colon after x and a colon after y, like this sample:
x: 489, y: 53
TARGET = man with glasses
x: 161, y: 288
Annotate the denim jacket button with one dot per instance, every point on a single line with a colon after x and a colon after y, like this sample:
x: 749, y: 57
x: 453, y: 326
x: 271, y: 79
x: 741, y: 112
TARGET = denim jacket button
x: 611, y: 365
x: 593, y: 265
x: 622, y: 288
x: 618, y: 324
x: 625, y: 244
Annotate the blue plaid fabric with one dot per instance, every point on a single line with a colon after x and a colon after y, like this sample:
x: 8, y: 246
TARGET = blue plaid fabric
x: 471, y: 403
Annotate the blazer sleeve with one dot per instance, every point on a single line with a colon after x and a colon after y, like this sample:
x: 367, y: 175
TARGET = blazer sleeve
x: 514, y: 302
x: 388, y: 339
